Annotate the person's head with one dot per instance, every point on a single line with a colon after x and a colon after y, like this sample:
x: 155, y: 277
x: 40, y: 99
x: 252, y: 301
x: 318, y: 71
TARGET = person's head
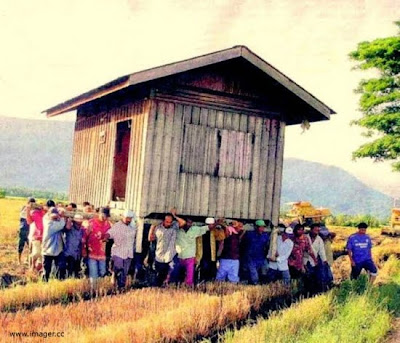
x: 314, y: 229
x: 362, y: 228
x: 85, y: 203
x: 78, y: 220
x: 298, y: 230
x: 60, y: 205
x: 237, y: 225
x: 210, y: 222
x: 189, y: 223
x: 31, y: 201
x: 281, y: 228
x: 287, y: 233
x: 49, y: 204
x: 103, y: 213
x: 260, y: 225
x: 128, y: 216
x: 168, y: 220
x: 53, y: 213
x: 71, y: 207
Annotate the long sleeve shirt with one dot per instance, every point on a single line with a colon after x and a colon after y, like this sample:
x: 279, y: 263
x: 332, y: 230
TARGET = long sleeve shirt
x: 52, y: 243
x: 73, y: 241
x: 186, y: 241
x: 256, y: 245
x: 95, y: 239
x: 318, y: 248
x: 284, y: 249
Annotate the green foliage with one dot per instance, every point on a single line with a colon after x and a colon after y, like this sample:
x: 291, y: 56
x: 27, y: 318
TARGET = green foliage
x: 36, y: 193
x: 353, y: 221
x: 351, y: 287
x: 380, y: 99
x: 2, y: 193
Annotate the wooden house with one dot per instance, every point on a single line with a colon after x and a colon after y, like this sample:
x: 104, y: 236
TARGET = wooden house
x: 204, y: 135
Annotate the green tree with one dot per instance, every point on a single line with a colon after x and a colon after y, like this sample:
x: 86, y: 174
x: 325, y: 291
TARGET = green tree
x: 380, y: 99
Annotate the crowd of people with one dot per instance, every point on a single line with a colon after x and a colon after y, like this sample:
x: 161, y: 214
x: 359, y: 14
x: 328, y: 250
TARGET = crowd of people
x: 176, y: 250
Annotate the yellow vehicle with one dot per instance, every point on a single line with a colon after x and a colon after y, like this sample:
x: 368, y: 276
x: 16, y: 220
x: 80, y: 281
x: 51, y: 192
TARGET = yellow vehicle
x: 305, y: 212
x: 394, y: 228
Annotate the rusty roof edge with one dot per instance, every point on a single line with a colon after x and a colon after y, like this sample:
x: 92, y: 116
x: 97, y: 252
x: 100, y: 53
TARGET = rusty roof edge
x: 90, y: 95
x: 184, y: 65
x: 286, y: 81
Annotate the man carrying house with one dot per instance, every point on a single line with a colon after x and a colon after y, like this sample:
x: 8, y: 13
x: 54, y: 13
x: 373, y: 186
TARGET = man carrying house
x: 278, y: 265
x: 53, y: 243
x: 124, y: 234
x: 229, y: 253
x: 256, y: 244
x: 74, y: 233
x: 164, y: 234
x: 186, y: 248
x: 359, y: 247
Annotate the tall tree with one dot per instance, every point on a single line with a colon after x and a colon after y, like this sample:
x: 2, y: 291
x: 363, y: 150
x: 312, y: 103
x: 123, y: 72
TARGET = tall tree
x: 380, y: 99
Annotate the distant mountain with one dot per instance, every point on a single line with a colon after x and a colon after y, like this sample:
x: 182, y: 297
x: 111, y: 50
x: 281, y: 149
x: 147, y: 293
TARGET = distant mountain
x: 331, y: 187
x: 37, y: 154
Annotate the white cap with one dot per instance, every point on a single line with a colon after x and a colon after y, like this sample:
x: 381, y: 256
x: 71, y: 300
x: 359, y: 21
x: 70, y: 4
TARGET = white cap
x: 289, y: 231
x: 210, y: 220
x: 78, y: 218
x: 129, y: 214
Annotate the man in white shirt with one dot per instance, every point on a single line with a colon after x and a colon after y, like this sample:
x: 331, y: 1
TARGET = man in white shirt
x: 278, y: 265
x: 124, y: 234
x: 313, y: 281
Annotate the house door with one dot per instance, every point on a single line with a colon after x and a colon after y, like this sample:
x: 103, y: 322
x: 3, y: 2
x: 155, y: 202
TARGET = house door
x: 121, y: 159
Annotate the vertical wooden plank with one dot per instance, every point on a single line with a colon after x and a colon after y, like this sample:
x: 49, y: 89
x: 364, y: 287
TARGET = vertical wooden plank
x: 230, y: 189
x: 235, y: 121
x: 278, y: 174
x: 181, y: 201
x: 223, y: 152
x: 228, y: 120
x: 196, y: 115
x: 212, y: 201
x: 243, y: 122
x: 197, y: 194
x: 221, y: 196
x: 176, y: 150
x: 237, y: 198
x: 255, y: 170
x: 164, y: 187
x: 212, y: 116
x: 142, y: 171
x: 230, y: 162
x: 263, y: 199
x: 271, y: 167
x: 204, y: 195
x: 219, y: 122
x: 245, y: 199
x: 203, y: 116
x: 155, y: 162
x: 251, y: 124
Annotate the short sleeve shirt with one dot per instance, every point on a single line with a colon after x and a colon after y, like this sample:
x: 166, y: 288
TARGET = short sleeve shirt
x: 124, y: 240
x: 360, y: 246
x: 166, y: 241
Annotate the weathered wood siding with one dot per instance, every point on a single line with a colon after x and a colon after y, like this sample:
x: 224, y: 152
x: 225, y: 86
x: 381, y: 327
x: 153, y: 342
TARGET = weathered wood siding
x: 210, y: 162
x: 93, y: 154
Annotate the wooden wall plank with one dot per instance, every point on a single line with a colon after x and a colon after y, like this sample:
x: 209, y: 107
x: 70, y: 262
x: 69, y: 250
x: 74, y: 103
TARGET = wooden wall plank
x: 278, y: 174
x: 255, y: 169
x: 263, y: 199
x: 271, y: 167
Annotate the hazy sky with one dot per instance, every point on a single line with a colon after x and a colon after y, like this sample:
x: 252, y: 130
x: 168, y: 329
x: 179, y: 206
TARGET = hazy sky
x: 53, y: 50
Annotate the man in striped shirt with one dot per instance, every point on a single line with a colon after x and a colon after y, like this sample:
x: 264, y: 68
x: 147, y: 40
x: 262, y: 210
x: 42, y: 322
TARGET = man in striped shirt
x: 124, y: 234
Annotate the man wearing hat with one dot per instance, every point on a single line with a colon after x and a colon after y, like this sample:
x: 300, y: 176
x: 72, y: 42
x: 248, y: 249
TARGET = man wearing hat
x: 278, y: 265
x: 124, y: 234
x: 255, y: 244
x: 74, y: 232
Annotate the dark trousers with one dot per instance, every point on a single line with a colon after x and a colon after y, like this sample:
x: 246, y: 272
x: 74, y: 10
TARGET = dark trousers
x: 73, y: 266
x: 59, y: 262
x: 121, y: 268
x: 167, y: 272
x: 23, y: 235
x: 208, y: 270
